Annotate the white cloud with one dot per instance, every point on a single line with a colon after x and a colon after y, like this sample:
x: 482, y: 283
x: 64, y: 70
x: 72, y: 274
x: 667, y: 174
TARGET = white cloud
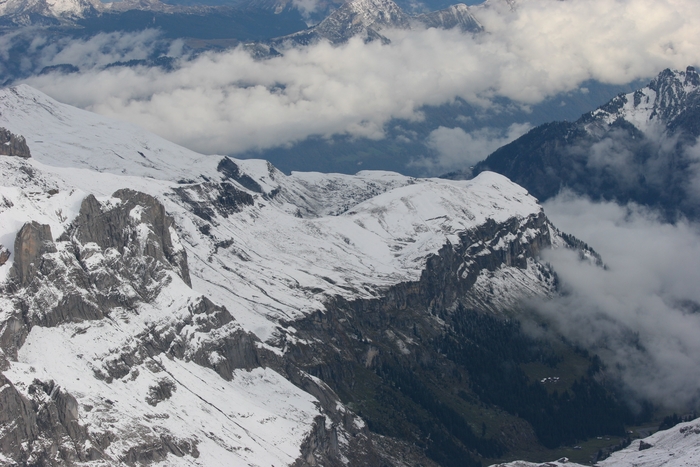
x: 642, y: 314
x: 227, y: 102
x: 306, y: 7
x: 457, y: 149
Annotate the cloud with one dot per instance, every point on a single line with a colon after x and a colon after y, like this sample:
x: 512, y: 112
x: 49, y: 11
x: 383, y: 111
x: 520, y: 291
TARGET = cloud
x: 307, y: 7
x: 39, y: 50
x: 228, y: 102
x: 456, y: 149
x: 642, y: 314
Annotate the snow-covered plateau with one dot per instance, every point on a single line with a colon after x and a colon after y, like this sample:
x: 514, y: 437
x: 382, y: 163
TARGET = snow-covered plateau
x: 155, y: 303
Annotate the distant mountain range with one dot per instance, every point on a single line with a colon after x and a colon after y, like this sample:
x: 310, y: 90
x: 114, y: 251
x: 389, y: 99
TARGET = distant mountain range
x: 367, y: 18
x: 356, y: 17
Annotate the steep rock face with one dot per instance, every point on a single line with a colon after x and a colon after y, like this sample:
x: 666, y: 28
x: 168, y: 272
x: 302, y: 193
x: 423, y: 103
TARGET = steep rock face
x: 49, y: 414
x: 13, y: 145
x: 139, y: 219
x: 354, y: 342
x: 114, y: 256
x: 32, y: 242
x: 118, y: 258
x: 638, y: 147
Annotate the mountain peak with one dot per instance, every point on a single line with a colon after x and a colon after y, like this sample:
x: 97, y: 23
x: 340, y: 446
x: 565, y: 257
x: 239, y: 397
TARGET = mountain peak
x: 666, y: 98
x: 451, y: 17
x: 359, y: 16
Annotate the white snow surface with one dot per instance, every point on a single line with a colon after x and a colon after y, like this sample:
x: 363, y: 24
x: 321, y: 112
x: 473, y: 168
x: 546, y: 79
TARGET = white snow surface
x: 305, y: 238
x: 321, y: 235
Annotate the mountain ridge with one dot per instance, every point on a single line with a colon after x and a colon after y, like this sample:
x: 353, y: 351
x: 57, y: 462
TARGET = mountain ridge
x: 638, y: 147
x: 282, y: 269
x: 367, y: 18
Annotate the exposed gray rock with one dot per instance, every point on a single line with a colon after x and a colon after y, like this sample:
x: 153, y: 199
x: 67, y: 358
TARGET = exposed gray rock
x: 231, y: 170
x: 160, y: 392
x: 18, y: 418
x: 400, y: 325
x: 4, y: 255
x: 157, y: 449
x: 43, y: 429
x: 117, y: 227
x: 208, y: 200
x: 113, y: 256
x: 13, y: 145
x: 321, y: 445
x: 32, y: 242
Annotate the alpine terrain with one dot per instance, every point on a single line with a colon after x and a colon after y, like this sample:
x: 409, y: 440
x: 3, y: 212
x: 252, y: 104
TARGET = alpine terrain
x: 162, y: 307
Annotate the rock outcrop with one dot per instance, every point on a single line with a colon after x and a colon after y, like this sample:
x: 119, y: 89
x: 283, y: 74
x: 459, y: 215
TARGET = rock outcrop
x: 137, y: 226
x: 116, y: 256
x: 32, y: 242
x: 43, y: 429
x: 13, y: 145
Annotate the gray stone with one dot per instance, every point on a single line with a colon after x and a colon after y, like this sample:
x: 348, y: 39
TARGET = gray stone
x: 13, y: 145
x: 4, y: 255
x: 32, y: 242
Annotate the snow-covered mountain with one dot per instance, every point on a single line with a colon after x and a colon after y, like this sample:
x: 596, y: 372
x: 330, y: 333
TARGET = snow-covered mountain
x: 164, y: 307
x: 367, y: 18
x: 458, y: 15
x: 71, y: 12
x: 25, y: 12
x: 671, y: 102
x: 640, y: 147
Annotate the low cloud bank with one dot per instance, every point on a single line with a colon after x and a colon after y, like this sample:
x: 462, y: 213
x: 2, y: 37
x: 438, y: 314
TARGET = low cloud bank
x: 642, y: 314
x: 227, y: 102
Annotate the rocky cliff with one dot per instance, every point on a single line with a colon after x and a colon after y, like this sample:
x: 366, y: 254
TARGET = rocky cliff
x: 13, y: 145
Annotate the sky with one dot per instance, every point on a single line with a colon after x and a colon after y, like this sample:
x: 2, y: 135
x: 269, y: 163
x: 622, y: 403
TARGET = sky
x: 228, y: 102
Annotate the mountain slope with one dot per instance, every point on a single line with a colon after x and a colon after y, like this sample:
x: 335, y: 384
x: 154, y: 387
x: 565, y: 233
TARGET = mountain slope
x: 313, y: 298
x: 638, y: 147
